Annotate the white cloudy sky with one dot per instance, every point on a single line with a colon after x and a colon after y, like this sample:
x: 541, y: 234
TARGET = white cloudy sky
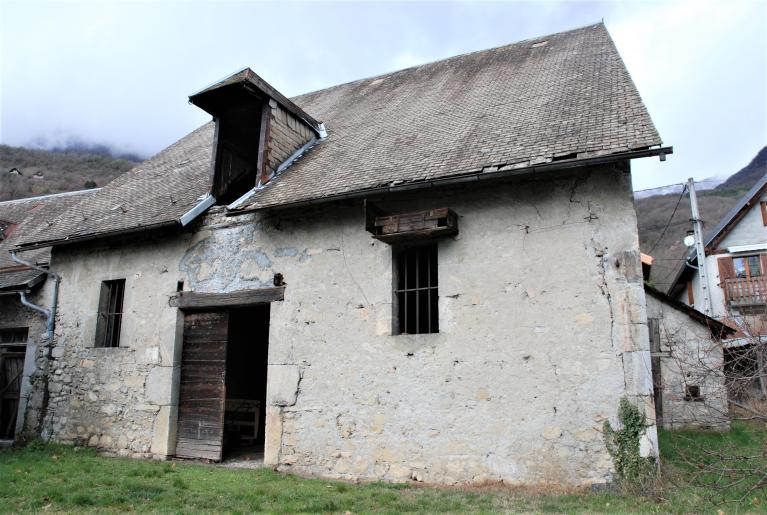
x: 119, y: 73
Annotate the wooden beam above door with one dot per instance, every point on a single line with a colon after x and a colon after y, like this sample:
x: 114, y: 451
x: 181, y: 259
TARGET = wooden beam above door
x: 197, y: 300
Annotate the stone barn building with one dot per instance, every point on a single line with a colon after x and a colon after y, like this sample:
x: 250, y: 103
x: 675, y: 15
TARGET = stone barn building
x: 688, y: 364
x: 25, y: 294
x: 432, y: 274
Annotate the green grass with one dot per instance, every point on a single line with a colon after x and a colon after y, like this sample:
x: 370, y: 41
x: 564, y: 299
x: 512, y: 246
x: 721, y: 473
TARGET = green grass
x: 696, y: 474
x: 60, y: 478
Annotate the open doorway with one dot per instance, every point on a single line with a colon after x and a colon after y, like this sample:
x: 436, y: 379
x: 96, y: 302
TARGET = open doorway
x: 12, y: 352
x: 222, y: 395
x: 246, y: 368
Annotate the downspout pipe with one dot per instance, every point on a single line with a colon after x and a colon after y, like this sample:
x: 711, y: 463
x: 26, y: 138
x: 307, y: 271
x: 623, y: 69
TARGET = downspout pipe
x: 49, y: 313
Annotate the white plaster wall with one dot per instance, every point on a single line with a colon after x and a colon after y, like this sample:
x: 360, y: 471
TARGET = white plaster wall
x: 750, y: 230
x: 690, y: 355
x: 542, y: 330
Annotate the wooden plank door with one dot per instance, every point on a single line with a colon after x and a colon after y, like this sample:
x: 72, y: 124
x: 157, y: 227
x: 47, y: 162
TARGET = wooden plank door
x: 202, y: 396
x: 11, y: 367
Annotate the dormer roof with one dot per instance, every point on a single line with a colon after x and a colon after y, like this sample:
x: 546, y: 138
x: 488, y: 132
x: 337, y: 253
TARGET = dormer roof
x: 243, y: 86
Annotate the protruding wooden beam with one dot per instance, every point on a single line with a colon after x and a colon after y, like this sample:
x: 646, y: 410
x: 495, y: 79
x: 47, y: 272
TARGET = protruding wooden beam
x: 197, y: 300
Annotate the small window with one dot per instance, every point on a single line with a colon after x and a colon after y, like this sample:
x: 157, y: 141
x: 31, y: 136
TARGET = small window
x: 110, y: 313
x: 692, y: 393
x: 747, y: 266
x: 14, y: 335
x: 416, y: 291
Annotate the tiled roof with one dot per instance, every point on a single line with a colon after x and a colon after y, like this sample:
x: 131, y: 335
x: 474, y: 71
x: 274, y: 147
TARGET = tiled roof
x: 567, y: 94
x: 519, y: 104
x: 26, y: 216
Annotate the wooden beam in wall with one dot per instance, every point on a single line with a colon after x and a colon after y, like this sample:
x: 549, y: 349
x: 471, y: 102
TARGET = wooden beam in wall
x: 197, y: 300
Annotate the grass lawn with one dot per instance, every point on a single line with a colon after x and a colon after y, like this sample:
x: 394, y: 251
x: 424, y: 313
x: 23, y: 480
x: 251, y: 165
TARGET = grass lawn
x: 62, y: 478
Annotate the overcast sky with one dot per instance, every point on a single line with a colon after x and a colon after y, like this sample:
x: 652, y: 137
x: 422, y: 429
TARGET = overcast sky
x: 120, y: 73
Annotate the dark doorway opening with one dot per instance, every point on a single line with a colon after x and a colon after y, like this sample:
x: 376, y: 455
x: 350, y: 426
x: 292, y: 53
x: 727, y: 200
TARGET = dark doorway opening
x: 246, y: 369
x: 12, y: 352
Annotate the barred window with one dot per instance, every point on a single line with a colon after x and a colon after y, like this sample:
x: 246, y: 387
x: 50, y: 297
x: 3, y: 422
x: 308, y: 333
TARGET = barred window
x: 416, y: 292
x: 110, y: 313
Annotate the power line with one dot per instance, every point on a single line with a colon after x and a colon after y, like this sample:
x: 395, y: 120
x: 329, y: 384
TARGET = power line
x: 662, y: 234
x: 679, y: 184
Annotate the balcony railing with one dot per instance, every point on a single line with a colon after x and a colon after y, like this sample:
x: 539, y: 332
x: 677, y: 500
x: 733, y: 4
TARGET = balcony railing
x: 744, y: 292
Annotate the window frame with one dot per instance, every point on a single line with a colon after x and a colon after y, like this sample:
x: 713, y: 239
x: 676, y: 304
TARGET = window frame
x: 110, y: 311
x: 14, y: 330
x: 745, y: 259
x: 404, y: 290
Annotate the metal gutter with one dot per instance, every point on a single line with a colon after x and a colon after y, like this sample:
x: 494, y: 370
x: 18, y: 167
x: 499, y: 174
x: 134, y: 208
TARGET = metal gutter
x: 206, y: 201
x: 471, y: 177
x: 283, y: 166
x: 95, y: 236
x: 51, y: 195
x: 49, y: 313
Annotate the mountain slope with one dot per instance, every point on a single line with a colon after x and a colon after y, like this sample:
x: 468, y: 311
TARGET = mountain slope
x: 654, y: 213
x: 751, y: 173
x: 27, y: 173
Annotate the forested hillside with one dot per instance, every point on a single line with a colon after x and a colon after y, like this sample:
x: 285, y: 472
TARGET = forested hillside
x: 27, y: 173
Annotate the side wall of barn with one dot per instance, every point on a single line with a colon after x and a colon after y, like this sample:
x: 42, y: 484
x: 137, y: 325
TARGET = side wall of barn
x: 34, y: 374
x: 689, y: 356
x: 542, y: 330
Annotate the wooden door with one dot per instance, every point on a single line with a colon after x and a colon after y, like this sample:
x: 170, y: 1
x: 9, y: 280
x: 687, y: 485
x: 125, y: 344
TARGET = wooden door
x: 11, y: 368
x: 202, y: 396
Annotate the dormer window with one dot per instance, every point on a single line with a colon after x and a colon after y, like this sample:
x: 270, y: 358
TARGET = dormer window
x: 5, y: 229
x: 258, y: 131
x: 237, y: 152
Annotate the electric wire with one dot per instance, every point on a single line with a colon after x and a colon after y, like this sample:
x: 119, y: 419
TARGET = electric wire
x: 663, y: 233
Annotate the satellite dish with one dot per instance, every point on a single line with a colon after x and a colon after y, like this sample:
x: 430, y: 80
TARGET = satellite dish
x: 689, y: 240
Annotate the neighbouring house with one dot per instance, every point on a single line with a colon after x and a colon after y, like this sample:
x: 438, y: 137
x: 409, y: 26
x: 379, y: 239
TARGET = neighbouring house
x: 687, y: 364
x: 433, y: 274
x: 25, y: 292
x: 736, y: 277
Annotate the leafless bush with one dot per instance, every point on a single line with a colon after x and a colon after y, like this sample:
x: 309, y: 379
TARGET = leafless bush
x: 707, y: 385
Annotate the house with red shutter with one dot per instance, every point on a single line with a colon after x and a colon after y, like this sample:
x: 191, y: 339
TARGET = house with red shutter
x: 736, y: 279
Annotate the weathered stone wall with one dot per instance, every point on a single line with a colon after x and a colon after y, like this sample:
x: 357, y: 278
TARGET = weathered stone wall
x: 286, y: 135
x: 689, y: 355
x: 542, y: 330
x: 117, y: 399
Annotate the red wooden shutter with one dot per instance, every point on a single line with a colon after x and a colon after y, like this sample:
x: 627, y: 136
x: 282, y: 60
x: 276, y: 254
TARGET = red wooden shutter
x: 763, y: 205
x: 763, y: 260
x: 202, y: 396
x: 726, y: 269
x: 690, y: 294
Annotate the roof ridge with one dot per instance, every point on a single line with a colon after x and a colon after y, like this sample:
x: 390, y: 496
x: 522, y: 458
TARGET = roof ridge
x: 450, y: 58
x: 50, y: 195
x: 744, y: 202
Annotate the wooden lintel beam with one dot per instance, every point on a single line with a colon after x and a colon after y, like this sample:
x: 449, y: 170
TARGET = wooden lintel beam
x: 197, y: 300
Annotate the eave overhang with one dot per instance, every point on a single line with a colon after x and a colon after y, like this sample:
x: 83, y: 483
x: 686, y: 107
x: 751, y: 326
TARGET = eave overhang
x: 247, y: 86
x: 474, y: 176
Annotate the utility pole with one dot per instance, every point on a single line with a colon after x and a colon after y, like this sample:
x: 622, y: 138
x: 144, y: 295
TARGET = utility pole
x: 697, y: 227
